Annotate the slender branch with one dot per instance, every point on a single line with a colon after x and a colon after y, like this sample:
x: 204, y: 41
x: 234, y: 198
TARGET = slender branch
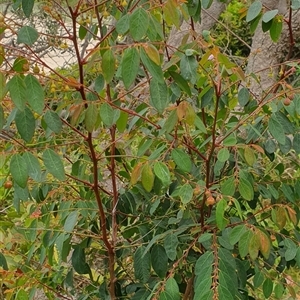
x: 102, y: 217
x: 217, y: 87
x: 113, y: 177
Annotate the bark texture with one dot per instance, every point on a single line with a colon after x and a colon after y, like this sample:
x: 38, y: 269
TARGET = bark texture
x: 208, y: 19
x: 266, y: 56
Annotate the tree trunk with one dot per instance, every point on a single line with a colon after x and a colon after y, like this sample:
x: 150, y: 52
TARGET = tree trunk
x: 208, y: 19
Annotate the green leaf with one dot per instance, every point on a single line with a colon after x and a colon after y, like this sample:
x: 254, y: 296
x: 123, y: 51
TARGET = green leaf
x: 147, y: 177
x: 228, y: 186
x: 53, y: 164
x: 295, y: 4
x: 155, y: 31
x: 122, y: 25
x: 182, y: 160
x: 244, y: 243
x: 206, y: 3
x: 243, y: 96
x: 35, y: 93
x: 249, y: 155
x: 17, y: 89
x: 223, y: 155
x: 2, y: 118
x: 19, y: 170
x: 203, y: 272
x: 296, y: 143
x: 254, y: 245
x: 109, y: 116
x: 159, y: 97
x: 269, y: 15
x: 25, y: 122
x: 71, y: 221
x: 138, y: 24
x: 200, y: 125
x: 162, y: 172
x: 279, y: 290
x: 253, y: 11
x: 186, y: 193
x: 3, y: 262
x: 27, y: 6
x: 99, y: 83
x: 33, y: 166
x: 53, y: 121
x: 258, y: 279
x: 20, y: 64
x: 188, y: 68
x: 254, y: 23
x: 108, y: 65
x: 297, y: 258
x: 122, y: 121
x: 276, y: 129
x: 220, y: 211
x: 172, y: 289
x: 78, y: 261
x: 181, y: 82
x: 159, y: 260
x: 130, y: 66
x: 3, y: 87
x: 170, y: 122
x: 152, y: 67
x: 90, y: 118
x: 27, y: 35
x: 276, y: 29
x: 22, y: 295
x: 230, y: 141
x: 268, y: 287
x: 246, y: 189
x: 142, y: 264
x: 82, y: 31
x: 236, y: 234
x: 170, y: 244
x: 204, y: 237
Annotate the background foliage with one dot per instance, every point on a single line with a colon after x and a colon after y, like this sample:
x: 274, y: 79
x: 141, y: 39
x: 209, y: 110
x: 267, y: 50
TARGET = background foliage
x: 139, y: 171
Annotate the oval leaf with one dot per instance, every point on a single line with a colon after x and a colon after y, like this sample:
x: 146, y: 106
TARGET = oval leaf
x: 53, y: 121
x: 276, y: 130
x: 33, y: 165
x: 159, y: 97
x: 35, y: 93
x: 142, y: 264
x: 17, y: 89
x: 276, y: 29
x: 78, y: 261
x: 19, y: 170
x: 159, y: 260
x: 147, y: 177
x: 25, y: 122
x: 246, y: 189
x: 108, y: 65
x: 186, y: 193
x: 130, y: 66
x: 182, y: 160
x: 162, y: 172
x: 27, y: 35
x: 53, y: 164
x: 269, y: 15
x: 253, y: 11
x: 27, y: 6
x: 71, y: 221
x: 152, y: 67
x: 223, y: 155
x: 138, y: 24
x: 107, y: 114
